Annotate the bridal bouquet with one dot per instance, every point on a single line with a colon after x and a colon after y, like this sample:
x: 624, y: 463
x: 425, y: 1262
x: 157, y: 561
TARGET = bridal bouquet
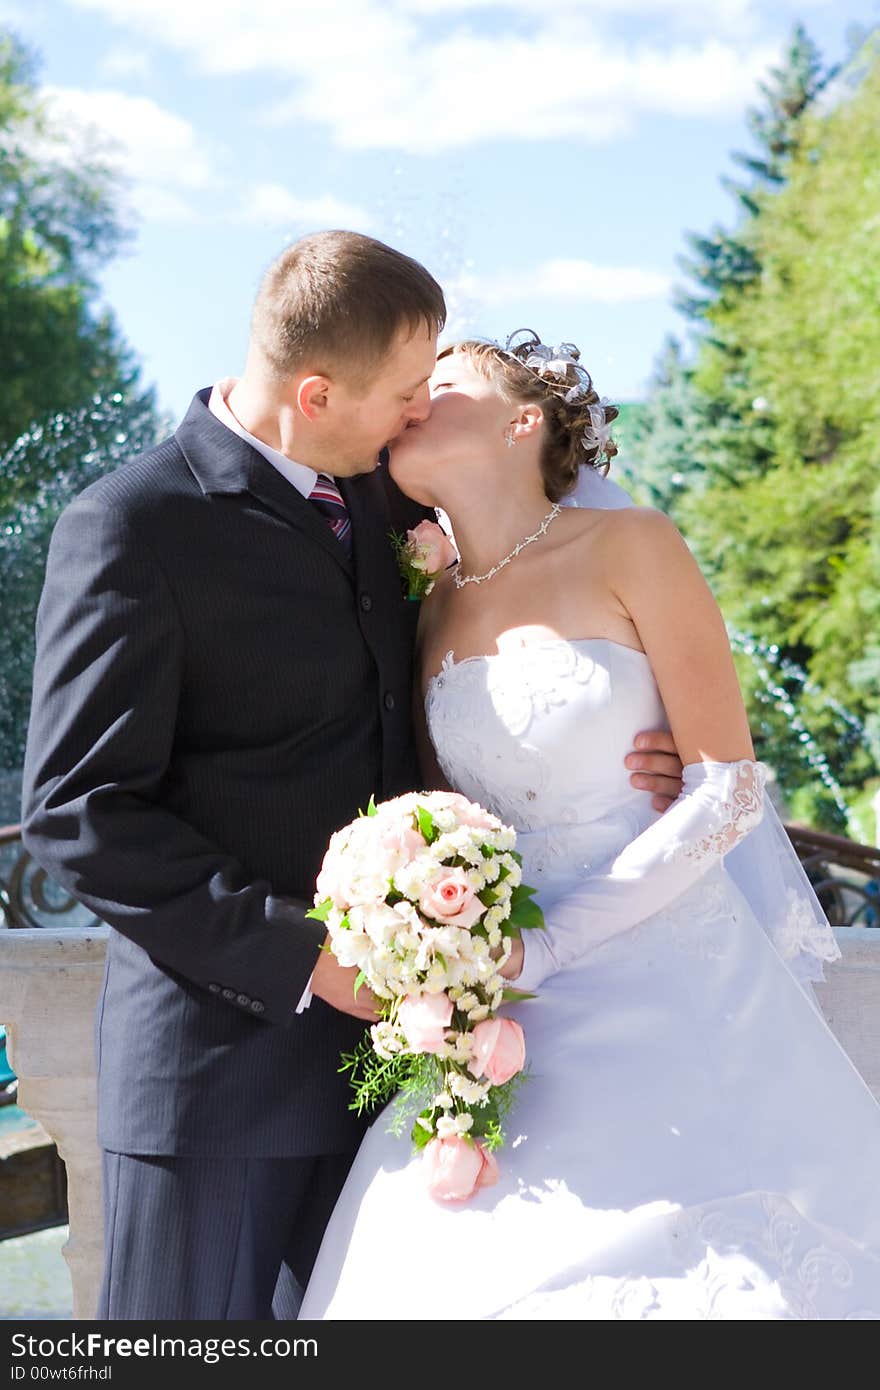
x: 424, y: 895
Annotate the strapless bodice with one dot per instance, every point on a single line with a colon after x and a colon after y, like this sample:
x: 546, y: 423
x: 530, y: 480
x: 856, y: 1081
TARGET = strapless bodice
x: 538, y: 735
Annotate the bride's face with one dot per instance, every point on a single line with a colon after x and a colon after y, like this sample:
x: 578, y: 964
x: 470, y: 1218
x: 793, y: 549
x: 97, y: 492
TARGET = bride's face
x: 466, y: 426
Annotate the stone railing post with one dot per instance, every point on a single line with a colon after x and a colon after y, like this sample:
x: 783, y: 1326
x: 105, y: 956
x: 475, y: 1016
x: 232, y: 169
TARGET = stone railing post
x: 850, y: 999
x: 49, y: 983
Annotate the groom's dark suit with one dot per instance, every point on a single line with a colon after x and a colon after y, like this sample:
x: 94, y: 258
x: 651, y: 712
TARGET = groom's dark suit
x: 216, y: 690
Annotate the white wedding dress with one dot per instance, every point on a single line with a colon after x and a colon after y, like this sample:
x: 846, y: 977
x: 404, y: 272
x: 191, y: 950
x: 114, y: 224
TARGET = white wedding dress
x: 691, y: 1141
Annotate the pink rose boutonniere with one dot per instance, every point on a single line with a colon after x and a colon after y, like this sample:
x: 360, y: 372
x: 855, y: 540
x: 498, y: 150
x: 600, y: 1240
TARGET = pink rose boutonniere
x: 422, y: 556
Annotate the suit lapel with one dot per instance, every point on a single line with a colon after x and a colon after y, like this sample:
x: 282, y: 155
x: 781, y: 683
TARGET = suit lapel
x: 223, y: 462
x: 269, y: 487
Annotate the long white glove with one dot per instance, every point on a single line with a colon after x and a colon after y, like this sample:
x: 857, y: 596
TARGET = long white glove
x: 719, y: 804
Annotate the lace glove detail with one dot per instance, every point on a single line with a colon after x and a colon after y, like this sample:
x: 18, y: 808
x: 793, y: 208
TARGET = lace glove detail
x: 719, y: 804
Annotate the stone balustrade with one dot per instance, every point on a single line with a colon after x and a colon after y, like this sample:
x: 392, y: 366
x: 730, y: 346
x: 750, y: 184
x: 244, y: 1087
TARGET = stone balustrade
x: 49, y: 982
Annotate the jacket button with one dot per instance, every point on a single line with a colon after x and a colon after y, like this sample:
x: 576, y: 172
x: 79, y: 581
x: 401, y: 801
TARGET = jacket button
x: 388, y: 700
x: 214, y: 988
x: 243, y: 999
x: 228, y: 993
x: 366, y: 602
x: 257, y: 1006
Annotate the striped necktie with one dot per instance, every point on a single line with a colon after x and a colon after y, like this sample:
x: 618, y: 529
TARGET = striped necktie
x: 328, y: 500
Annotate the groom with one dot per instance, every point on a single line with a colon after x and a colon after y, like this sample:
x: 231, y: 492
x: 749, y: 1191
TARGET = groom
x: 222, y: 679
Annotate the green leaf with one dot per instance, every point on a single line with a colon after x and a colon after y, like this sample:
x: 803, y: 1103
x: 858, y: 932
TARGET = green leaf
x: 372, y: 809
x: 420, y: 1137
x: 520, y: 893
x: 426, y: 824
x: 321, y: 911
x: 360, y: 979
x: 515, y: 996
x: 526, y: 916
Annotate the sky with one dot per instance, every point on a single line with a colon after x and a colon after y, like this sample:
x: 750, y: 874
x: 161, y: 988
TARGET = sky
x: 544, y: 161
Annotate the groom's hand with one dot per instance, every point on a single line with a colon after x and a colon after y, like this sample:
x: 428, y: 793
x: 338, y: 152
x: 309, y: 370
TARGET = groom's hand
x: 656, y: 767
x: 334, y: 983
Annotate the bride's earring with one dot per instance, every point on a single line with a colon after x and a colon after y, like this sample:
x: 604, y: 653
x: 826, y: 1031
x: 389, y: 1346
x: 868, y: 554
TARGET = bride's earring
x: 509, y: 438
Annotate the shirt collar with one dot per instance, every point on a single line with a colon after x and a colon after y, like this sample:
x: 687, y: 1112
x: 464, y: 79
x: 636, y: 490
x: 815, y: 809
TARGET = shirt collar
x: 300, y: 475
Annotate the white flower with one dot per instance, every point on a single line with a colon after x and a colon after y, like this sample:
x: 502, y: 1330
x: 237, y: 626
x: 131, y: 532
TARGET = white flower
x: 479, y: 1013
x: 464, y: 1122
x: 495, y: 937
x: 435, y: 980
x: 466, y: 1002
x: 471, y: 1092
x: 351, y: 948
x: 425, y: 1123
x: 446, y: 1127
x: 386, y: 1039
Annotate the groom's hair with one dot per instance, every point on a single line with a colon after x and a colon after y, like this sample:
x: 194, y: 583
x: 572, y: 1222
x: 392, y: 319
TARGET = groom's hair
x: 335, y: 301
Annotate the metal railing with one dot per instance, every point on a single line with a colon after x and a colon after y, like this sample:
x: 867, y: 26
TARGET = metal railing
x: 28, y: 896
x: 845, y: 877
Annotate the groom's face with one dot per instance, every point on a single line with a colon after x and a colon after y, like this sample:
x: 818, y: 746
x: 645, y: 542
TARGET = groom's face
x: 366, y: 418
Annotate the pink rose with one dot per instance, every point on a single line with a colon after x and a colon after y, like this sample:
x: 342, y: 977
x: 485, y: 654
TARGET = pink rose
x: 403, y: 842
x: 433, y: 551
x: 489, y: 1172
x: 424, y: 1019
x: 450, y: 899
x: 499, y: 1050
x: 458, y: 1168
x: 470, y: 813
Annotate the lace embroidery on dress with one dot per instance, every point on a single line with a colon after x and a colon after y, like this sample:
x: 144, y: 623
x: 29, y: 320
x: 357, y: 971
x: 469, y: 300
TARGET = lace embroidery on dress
x: 755, y: 1257
x: 522, y: 684
x: 736, y: 815
x: 803, y: 940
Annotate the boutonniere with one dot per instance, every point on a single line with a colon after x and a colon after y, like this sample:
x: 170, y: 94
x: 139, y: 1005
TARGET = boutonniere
x: 422, y: 555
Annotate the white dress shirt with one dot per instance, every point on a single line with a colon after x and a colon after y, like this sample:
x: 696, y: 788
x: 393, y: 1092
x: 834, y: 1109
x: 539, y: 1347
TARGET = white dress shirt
x: 302, y: 477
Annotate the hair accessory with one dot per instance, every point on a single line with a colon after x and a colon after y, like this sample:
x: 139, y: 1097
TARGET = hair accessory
x: 547, y: 361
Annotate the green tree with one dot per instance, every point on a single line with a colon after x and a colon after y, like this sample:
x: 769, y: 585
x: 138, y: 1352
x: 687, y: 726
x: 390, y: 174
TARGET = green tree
x: 65, y: 454
x: 71, y: 402
x: 790, y: 537
x: 58, y: 226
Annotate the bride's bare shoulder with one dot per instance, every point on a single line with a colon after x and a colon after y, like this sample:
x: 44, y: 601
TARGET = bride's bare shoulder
x: 624, y: 527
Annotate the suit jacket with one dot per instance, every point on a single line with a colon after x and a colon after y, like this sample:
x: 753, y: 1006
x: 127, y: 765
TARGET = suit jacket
x: 216, y: 690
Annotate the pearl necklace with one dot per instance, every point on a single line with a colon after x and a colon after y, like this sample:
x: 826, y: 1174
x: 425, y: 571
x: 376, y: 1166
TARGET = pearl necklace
x: 461, y: 579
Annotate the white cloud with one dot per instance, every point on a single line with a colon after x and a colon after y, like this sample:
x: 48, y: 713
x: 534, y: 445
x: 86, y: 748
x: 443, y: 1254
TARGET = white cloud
x: 122, y: 63
x: 421, y: 76
x: 273, y: 205
x: 577, y: 281
x: 157, y: 151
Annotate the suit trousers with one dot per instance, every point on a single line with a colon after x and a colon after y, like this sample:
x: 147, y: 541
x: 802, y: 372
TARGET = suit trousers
x: 213, y: 1238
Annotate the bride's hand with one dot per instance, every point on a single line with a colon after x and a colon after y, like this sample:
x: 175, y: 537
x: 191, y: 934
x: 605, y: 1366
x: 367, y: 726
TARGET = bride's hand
x: 512, y: 967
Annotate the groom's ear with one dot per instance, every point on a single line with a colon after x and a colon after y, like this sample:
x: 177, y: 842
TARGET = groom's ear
x: 311, y: 396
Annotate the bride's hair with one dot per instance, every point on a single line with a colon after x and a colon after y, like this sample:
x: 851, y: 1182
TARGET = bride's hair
x: 576, y: 421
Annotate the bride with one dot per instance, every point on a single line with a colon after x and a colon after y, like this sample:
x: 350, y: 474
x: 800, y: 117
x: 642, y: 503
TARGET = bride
x: 691, y: 1141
